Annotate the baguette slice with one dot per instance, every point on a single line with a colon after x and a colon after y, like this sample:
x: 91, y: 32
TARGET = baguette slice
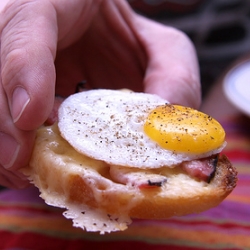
x: 97, y: 202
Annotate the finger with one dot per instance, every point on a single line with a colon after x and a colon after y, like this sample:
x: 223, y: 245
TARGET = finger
x: 3, y: 4
x: 11, y: 180
x: 172, y: 71
x: 14, y: 143
x: 28, y: 47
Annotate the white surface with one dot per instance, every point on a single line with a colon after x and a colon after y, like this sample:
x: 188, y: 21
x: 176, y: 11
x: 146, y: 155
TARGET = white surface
x: 237, y: 87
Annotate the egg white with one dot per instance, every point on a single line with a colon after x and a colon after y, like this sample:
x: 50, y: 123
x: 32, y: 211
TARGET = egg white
x: 107, y: 125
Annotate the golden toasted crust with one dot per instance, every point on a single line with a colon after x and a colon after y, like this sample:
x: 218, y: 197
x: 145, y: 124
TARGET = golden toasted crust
x: 228, y: 174
x: 156, y: 205
x: 65, y: 177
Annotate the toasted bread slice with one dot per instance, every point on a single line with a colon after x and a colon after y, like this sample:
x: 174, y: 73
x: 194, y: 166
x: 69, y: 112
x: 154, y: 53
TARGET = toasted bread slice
x: 98, y: 202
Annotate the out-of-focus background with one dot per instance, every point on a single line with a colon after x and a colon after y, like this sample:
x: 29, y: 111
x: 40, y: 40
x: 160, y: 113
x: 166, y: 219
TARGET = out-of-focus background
x: 219, y: 29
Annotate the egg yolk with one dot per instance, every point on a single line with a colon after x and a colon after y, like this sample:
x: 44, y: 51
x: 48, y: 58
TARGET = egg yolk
x: 183, y: 129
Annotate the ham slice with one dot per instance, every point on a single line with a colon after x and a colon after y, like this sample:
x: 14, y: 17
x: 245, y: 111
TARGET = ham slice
x: 140, y: 178
x: 203, y: 169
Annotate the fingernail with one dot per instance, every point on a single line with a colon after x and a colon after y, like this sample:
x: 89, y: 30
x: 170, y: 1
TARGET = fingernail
x: 9, y: 149
x: 20, y: 100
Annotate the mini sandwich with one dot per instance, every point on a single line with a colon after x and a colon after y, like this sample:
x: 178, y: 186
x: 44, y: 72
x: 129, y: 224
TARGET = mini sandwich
x: 117, y: 155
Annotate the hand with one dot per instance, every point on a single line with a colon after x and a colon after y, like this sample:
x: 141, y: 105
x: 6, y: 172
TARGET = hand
x: 48, y: 46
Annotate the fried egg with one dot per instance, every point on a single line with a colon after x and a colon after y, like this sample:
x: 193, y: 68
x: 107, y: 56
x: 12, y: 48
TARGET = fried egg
x: 137, y: 129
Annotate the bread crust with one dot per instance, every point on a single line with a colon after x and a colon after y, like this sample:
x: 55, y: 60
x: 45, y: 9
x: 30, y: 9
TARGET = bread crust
x: 59, y: 171
x: 222, y: 184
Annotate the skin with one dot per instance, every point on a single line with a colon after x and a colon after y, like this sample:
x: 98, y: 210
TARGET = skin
x: 48, y: 46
